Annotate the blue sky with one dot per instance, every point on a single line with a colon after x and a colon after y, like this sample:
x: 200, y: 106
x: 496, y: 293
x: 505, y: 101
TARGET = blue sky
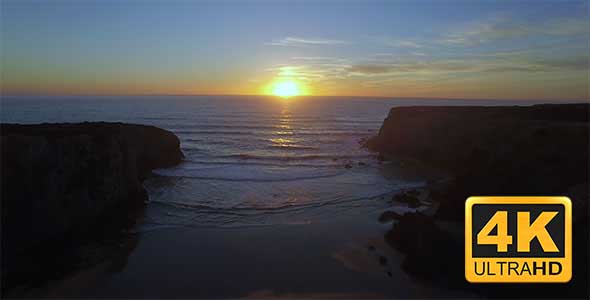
x: 459, y: 49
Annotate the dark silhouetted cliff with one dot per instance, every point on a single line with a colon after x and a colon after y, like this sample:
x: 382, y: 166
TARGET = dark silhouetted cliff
x: 63, y: 180
x: 535, y: 150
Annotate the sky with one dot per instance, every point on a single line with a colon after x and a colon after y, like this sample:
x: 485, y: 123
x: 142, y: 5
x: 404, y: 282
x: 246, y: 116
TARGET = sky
x: 423, y: 49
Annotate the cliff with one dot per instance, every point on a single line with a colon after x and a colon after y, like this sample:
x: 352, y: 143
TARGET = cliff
x: 534, y: 150
x: 63, y: 180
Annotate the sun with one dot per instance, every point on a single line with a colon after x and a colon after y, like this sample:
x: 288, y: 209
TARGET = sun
x: 286, y: 89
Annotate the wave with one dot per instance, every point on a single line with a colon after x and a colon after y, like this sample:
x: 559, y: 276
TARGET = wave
x: 163, y: 118
x: 292, y: 147
x: 201, y: 207
x: 193, y: 140
x: 262, y: 164
x: 247, y: 178
x: 246, y: 119
x: 234, y: 210
x: 244, y: 211
x: 270, y: 133
x: 191, y: 148
x: 237, y: 126
x: 334, y: 157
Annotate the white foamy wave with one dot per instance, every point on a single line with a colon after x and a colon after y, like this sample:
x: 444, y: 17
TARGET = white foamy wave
x: 249, y: 173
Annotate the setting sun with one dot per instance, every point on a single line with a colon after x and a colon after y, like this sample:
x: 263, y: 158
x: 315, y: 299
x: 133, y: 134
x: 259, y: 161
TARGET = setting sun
x: 286, y: 89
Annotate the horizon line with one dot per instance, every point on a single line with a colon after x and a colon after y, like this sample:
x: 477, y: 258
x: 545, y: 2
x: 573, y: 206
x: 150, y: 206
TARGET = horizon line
x: 300, y: 96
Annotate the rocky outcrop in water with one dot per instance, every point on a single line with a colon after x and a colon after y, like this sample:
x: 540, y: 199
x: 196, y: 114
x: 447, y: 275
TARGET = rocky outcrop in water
x: 64, y: 180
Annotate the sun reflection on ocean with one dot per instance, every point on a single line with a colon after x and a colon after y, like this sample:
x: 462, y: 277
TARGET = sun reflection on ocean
x: 284, y: 127
x: 282, y: 142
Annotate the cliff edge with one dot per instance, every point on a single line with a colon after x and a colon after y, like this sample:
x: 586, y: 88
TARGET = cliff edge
x: 61, y: 180
x: 516, y: 150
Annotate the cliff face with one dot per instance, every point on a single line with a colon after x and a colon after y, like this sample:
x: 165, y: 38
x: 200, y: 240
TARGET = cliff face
x: 535, y: 150
x: 61, y: 179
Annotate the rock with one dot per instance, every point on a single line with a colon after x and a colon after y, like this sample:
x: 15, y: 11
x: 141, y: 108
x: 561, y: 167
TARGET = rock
x: 431, y: 253
x: 414, y: 204
x: 64, y: 180
x: 409, y: 198
x: 389, y: 216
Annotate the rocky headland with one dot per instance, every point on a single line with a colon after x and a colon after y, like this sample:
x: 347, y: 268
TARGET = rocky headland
x: 66, y: 183
x: 518, y: 150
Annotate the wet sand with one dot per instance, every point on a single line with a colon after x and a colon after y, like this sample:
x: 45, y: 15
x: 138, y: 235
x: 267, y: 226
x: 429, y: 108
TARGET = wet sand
x: 343, y: 257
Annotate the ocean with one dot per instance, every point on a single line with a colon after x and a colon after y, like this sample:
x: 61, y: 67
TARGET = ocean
x: 274, y: 197
x: 249, y: 160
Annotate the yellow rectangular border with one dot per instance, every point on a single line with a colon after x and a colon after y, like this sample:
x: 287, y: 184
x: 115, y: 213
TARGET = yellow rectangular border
x: 567, y: 259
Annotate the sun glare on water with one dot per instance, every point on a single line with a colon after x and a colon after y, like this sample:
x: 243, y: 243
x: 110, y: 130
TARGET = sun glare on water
x: 286, y: 89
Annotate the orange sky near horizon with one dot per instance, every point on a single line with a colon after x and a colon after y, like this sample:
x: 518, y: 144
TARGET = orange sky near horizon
x: 502, y: 89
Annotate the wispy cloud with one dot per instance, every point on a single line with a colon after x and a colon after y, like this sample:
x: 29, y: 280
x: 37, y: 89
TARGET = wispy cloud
x: 402, y: 43
x: 369, y: 69
x: 379, y: 55
x: 301, y: 42
x: 443, y: 66
x: 320, y: 60
x: 408, y: 67
x: 313, y: 68
x: 502, y: 29
x: 577, y: 63
x: 311, y: 72
x: 483, y: 33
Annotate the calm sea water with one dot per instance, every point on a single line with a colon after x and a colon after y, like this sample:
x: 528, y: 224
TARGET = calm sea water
x: 249, y: 160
